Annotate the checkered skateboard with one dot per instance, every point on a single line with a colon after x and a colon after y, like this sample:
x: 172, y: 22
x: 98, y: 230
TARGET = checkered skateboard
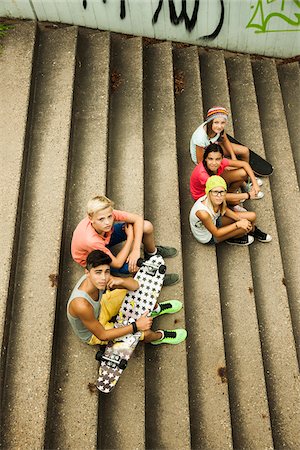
x: 117, y: 353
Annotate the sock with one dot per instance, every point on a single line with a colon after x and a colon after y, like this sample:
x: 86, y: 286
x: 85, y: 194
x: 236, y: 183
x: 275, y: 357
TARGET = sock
x: 152, y: 253
x: 157, y: 309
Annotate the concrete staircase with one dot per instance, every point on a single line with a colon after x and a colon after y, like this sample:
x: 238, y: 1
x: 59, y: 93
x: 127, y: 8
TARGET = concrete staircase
x: 87, y: 112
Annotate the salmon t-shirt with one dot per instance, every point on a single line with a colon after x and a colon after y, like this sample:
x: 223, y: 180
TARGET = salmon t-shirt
x: 86, y: 239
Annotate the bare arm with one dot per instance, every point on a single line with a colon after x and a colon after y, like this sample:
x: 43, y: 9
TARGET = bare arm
x: 84, y: 311
x: 119, y: 260
x: 220, y: 232
x: 226, y: 145
x: 244, y: 165
x: 137, y: 222
x: 128, y: 283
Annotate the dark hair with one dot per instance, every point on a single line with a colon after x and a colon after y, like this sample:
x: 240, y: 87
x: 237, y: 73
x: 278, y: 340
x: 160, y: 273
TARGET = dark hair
x: 209, y: 149
x: 209, y: 131
x: 97, y: 258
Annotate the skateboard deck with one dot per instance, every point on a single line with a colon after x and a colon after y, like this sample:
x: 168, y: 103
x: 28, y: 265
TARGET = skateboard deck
x: 258, y: 164
x: 117, y: 353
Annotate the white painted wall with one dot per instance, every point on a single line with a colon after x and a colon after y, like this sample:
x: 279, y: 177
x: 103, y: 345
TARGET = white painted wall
x: 266, y: 27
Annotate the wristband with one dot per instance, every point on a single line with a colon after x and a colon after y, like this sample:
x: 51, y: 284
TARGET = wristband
x: 249, y: 196
x: 134, y: 328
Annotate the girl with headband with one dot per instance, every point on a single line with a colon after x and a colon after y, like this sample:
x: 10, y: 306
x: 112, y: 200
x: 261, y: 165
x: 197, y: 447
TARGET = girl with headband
x: 212, y: 131
x: 212, y: 221
x: 214, y: 163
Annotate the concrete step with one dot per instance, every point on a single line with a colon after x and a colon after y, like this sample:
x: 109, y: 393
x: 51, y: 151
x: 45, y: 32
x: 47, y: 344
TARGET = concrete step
x: 125, y: 181
x: 278, y: 339
x: 166, y: 369
x: 74, y: 368
x: 208, y: 390
x: 31, y: 328
x: 16, y: 58
x: 289, y: 78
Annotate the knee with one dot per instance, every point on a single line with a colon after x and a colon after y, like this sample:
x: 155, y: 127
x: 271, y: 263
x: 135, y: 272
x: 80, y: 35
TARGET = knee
x: 252, y: 216
x: 244, y: 174
x: 148, y: 227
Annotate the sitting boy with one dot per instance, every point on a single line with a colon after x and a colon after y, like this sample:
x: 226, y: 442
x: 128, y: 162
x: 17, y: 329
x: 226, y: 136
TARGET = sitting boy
x: 90, y: 307
x: 105, y: 227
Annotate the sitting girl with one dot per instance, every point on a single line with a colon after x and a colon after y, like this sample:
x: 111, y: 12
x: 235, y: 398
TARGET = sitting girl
x: 212, y: 222
x: 214, y: 163
x: 212, y: 131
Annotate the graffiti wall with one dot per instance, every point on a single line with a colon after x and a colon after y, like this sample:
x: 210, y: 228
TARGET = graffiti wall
x: 266, y: 27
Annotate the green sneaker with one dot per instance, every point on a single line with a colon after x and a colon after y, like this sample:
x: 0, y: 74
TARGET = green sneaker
x: 169, y: 307
x: 171, y: 337
x: 170, y: 279
x: 166, y: 252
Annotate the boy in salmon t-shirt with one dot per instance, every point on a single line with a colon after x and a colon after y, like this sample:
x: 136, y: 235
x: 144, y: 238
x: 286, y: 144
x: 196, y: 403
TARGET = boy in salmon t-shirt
x: 105, y: 227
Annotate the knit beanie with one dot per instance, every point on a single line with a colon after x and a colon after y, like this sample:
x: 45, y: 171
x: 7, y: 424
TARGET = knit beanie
x: 213, y: 182
x: 216, y: 111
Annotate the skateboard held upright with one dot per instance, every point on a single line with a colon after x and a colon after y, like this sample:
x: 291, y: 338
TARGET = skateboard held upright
x: 117, y: 353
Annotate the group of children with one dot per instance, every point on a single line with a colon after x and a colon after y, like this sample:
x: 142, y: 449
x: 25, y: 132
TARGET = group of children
x: 221, y: 184
x: 98, y: 295
x: 215, y: 183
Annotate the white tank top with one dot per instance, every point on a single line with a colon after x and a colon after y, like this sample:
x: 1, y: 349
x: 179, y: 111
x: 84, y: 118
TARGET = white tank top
x: 200, y: 232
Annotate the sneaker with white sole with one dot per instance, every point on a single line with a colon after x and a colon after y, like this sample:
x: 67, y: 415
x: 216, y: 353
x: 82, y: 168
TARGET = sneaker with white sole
x: 243, y: 240
x: 260, y: 235
x: 171, y: 336
x: 168, y: 307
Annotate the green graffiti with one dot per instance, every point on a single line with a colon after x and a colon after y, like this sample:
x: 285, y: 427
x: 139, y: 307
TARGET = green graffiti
x: 261, y: 20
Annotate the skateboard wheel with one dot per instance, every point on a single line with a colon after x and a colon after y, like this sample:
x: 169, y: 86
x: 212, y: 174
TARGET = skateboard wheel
x: 139, y: 262
x: 162, y: 269
x: 123, y: 364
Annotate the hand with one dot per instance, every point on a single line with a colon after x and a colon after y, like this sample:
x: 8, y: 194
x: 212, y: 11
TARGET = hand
x: 254, y: 190
x: 114, y: 282
x: 245, y: 224
x: 144, y: 323
x: 129, y: 230
x: 132, y: 260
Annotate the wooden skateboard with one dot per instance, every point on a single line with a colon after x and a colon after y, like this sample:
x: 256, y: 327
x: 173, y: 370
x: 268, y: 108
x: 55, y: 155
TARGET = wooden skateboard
x: 259, y: 165
x: 115, y: 357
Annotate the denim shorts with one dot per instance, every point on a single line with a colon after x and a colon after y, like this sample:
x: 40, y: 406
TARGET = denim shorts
x: 118, y: 235
x: 213, y: 240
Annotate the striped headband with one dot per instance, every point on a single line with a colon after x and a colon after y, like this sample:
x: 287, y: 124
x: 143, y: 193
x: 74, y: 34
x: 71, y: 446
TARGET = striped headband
x: 216, y: 111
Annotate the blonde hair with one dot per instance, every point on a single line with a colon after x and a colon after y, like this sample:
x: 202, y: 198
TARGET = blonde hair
x: 223, y: 206
x: 98, y: 203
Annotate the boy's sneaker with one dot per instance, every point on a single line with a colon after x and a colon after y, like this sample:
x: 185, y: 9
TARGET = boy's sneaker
x: 261, y: 236
x: 171, y: 337
x: 243, y: 240
x: 170, y: 279
x: 169, y: 307
x: 165, y: 252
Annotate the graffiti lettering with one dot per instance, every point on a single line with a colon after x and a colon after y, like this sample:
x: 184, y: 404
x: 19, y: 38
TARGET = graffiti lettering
x: 264, y: 12
x: 176, y: 19
x: 122, y: 7
x: 189, y: 23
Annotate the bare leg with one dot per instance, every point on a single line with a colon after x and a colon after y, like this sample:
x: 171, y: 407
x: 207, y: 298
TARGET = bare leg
x: 150, y: 336
x: 249, y: 215
x: 239, y: 150
x: 148, y: 237
x: 234, y: 178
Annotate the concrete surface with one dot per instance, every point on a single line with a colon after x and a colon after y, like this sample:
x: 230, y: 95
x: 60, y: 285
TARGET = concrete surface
x: 89, y: 112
